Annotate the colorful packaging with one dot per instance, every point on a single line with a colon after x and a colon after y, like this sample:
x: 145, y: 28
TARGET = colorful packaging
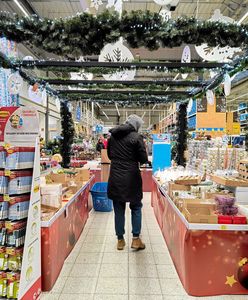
x: 3, y: 259
x: 3, y: 284
x: 4, y: 206
x: 2, y: 157
x: 20, y: 182
x: 3, y: 183
x: 18, y: 207
x: 14, y: 261
x: 20, y: 158
x: 13, y: 279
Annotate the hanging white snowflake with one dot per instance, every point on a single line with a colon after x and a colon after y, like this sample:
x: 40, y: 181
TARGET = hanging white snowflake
x: 220, y: 54
x: 117, y: 53
x: 15, y: 83
x: 95, y: 3
x: 81, y: 75
x: 117, y: 4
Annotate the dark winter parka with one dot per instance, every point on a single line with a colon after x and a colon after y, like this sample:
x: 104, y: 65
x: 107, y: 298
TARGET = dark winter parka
x: 126, y: 151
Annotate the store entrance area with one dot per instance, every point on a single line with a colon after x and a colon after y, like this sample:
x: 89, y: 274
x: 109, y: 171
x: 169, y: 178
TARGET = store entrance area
x: 96, y: 270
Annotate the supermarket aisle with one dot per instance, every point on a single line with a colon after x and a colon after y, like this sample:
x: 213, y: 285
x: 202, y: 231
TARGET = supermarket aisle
x: 95, y: 270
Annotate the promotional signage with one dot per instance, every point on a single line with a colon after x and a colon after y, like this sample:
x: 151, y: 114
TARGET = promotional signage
x: 18, y: 124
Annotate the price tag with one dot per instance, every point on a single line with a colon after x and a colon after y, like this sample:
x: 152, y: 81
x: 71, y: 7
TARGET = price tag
x: 7, y: 146
x: 6, y: 197
x: 223, y: 227
x: 7, y: 173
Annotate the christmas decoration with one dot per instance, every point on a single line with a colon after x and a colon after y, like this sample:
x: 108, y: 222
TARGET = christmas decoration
x: 243, y: 273
x: 186, y: 58
x: 86, y: 34
x: 181, y: 140
x: 15, y: 83
x: 221, y: 54
x: 96, y: 3
x: 227, y: 85
x: 117, y: 53
x: 81, y: 75
x: 163, y: 2
x: 165, y: 14
x: 67, y: 134
x: 210, y: 97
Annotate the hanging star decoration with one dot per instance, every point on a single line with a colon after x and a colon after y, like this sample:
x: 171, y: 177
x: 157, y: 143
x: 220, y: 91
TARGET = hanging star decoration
x: 230, y: 280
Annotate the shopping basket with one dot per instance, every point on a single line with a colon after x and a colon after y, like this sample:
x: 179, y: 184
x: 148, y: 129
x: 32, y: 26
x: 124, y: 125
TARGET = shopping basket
x: 101, y: 202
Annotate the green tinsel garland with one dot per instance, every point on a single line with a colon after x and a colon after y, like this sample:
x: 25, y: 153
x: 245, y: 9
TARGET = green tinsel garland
x: 86, y: 34
x: 68, y: 132
x: 181, y: 141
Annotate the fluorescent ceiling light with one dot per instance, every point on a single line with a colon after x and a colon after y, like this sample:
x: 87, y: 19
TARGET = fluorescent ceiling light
x: 117, y: 109
x: 243, y: 18
x: 105, y: 115
x: 21, y: 8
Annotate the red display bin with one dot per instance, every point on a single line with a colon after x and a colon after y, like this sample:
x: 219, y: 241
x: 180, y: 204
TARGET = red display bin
x: 60, y: 234
x: 210, y: 259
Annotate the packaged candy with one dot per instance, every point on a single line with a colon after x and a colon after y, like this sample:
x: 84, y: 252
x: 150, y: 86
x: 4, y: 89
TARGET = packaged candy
x: 18, y: 207
x: 3, y: 183
x: 13, y: 280
x: 3, y: 284
x: 3, y: 259
x: 20, y: 182
x: 14, y: 258
x: 20, y: 158
x: 4, y: 206
x: 2, y: 157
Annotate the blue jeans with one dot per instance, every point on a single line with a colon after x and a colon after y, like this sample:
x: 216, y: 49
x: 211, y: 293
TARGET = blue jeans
x: 119, y: 209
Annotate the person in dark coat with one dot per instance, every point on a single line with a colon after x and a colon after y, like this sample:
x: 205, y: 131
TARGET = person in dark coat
x: 127, y: 151
x: 100, y: 145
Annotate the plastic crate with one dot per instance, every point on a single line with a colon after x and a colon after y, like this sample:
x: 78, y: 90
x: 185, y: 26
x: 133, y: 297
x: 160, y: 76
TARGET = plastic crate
x: 101, y: 202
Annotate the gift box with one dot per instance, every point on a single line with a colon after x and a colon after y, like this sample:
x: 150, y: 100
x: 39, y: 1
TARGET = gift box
x: 18, y: 207
x: 223, y: 219
x: 20, y: 182
x: 51, y: 189
x: 51, y: 200
x: 20, y: 158
x: 239, y: 219
x: 2, y: 157
x: 3, y: 183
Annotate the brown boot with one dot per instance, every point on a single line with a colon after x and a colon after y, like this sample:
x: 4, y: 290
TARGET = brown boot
x: 137, y: 244
x: 121, y: 244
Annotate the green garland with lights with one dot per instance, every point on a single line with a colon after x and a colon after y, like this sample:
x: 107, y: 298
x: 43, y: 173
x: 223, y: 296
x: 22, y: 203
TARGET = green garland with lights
x: 86, y: 34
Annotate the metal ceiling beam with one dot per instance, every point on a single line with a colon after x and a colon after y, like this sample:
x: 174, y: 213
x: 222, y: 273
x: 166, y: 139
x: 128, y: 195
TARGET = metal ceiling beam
x: 196, y: 83
x: 128, y: 65
x: 126, y: 92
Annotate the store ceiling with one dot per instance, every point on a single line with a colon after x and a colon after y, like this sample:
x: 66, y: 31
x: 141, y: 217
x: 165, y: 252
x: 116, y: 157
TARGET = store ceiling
x: 64, y: 8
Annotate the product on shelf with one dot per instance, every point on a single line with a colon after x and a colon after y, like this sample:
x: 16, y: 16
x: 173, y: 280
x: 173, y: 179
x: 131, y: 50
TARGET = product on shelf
x: 20, y: 182
x: 4, y: 207
x: 18, y: 207
x: 51, y: 195
x: 2, y: 157
x: 20, y: 158
x: 3, y: 183
x: 243, y: 169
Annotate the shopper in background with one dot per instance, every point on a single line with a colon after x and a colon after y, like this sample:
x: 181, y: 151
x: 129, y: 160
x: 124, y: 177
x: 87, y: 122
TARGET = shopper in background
x: 99, y: 145
x: 127, y: 151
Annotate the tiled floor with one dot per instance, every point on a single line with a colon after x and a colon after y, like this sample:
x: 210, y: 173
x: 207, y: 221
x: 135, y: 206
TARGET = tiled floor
x: 95, y: 270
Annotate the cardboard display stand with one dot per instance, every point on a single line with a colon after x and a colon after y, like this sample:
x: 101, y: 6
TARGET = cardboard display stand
x: 19, y: 127
x: 210, y: 259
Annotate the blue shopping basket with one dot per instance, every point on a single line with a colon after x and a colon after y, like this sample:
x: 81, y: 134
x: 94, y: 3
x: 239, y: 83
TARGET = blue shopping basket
x: 101, y: 202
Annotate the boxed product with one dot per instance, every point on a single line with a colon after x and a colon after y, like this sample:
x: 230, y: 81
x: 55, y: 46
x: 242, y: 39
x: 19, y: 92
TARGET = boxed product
x: 176, y: 187
x: 18, y: 207
x: 20, y: 158
x: 83, y: 175
x: 3, y: 183
x: 51, y: 195
x: 3, y: 259
x: 59, y: 178
x: 20, y: 182
x: 200, y: 212
x: 3, y: 284
x: 4, y: 206
x: 16, y: 231
x: 2, y: 157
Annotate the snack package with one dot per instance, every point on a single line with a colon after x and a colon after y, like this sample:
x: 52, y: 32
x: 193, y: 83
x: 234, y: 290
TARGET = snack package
x: 20, y: 158
x: 3, y: 284
x: 3, y: 259
x: 14, y: 258
x: 13, y: 285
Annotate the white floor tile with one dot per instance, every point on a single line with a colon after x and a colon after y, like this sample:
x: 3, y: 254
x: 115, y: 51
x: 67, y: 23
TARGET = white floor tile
x: 49, y: 296
x: 115, y: 258
x: 144, y: 286
x: 111, y: 285
x: 76, y: 297
x: 172, y: 287
x: 141, y: 257
x: 143, y: 297
x: 114, y: 270
x: 85, y: 270
x: 92, y: 247
x: 79, y: 285
x: 89, y: 258
x: 110, y: 297
x: 147, y: 271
